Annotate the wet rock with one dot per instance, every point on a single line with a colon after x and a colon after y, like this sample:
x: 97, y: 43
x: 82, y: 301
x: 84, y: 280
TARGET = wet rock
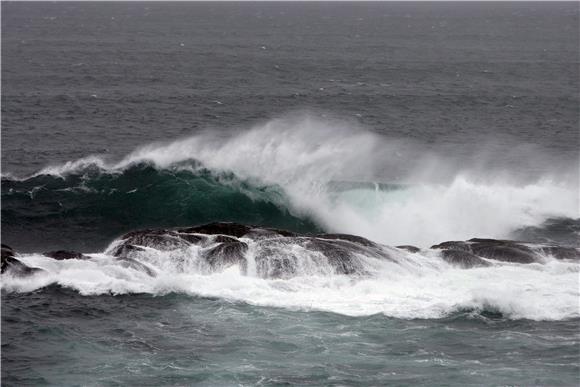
x: 275, y: 231
x: 268, y: 233
x: 139, y: 266
x: 236, y: 230
x: 13, y: 266
x: 164, y: 240
x: 502, y: 250
x: 339, y: 256
x: 191, y: 238
x: 223, y: 228
x: 347, y: 237
x: 453, y: 245
x: 64, y: 254
x: 159, y: 239
x: 224, y: 239
x: 505, y: 253
x: 272, y: 261
x: 558, y: 252
x: 409, y: 248
x: 125, y: 250
x: 227, y: 254
x: 7, y: 252
x: 495, y: 249
x: 463, y: 259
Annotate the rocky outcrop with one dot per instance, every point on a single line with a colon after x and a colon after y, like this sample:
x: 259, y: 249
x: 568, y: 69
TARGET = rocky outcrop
x: 221, y: 228
x: 60, y: 255
x: 226, y: 253
x: 273, y: 253
x: 479, y: 252
x: 463, y: 259
x: 225, y: 244
x: 13, y: 266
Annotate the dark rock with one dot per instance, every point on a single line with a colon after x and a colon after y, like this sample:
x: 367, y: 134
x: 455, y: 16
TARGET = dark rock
x: 347, y: 237
x: 276, y: 258
x: 224, y: 239
x: 564, y: 253
x: 7, y: 257
x: 192, y: 238
x: 16, y: 268
x: 65, y: 254
x: 227, y: 254
x: 490, y: 241
x: 165, y: 240
x: 124, y: 250
x: 339, y: 256
x: 496, y: 249
x: 409, y: 248
x: 268, y: 233
x: 276, y: 231
x: 13, y: 266
x: 223, y: 228
x: 463, y: 259
x: 453, y: 245
x: 505, y: 252
x: 7, y: 251
x: 159, y: 239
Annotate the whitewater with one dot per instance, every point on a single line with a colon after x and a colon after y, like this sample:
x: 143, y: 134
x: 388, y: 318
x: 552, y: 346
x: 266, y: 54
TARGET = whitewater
x: 334, y: 174
x: 303, y: 156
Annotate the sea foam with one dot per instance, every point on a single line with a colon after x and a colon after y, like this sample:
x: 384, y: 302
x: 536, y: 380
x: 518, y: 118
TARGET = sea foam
x: 419, y: 285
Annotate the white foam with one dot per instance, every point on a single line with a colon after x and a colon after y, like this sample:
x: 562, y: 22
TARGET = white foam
x: 419, y: 286
x: 74, y: 166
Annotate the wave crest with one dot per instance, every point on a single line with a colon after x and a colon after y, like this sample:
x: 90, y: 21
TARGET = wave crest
x: 283, y: 174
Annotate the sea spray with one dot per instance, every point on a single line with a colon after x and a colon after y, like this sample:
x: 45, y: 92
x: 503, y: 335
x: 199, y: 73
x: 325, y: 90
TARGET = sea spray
x: 284, y: 172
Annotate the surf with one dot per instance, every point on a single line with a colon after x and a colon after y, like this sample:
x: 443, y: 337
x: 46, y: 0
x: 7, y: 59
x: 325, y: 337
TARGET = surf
x: 334, y: 273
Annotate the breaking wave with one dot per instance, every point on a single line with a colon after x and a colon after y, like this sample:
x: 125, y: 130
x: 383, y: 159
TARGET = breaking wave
x: 296, y: 173
x: 308, y: 176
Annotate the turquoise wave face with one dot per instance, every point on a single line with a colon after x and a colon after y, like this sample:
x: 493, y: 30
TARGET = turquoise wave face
x: 89, y: 207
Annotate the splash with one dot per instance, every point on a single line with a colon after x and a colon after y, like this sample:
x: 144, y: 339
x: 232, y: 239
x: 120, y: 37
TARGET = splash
x: 419, y: 285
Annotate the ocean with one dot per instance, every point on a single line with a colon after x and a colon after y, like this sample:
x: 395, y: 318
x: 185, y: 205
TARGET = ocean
x: 277, y: 193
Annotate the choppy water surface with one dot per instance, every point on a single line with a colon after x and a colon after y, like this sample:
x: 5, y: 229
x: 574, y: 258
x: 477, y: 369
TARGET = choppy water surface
x: 174, y: 339
x: 407, y: 124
